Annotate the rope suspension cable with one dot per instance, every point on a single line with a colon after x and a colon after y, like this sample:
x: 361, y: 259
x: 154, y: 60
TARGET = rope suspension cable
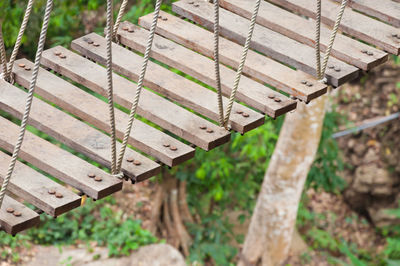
x: 3, y: 56
x: 119, y: 17
x: 42, y: 40
x: 321, y: 70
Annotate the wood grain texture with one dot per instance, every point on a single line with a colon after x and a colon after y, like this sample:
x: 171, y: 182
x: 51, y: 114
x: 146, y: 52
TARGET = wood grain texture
x: 12, y: 224
x: 67, y: 129
x: 250, y: 92
x: 33, y: 187
x: 353, y: 23
x: 151, y: 106
x: 266, y: 41
x: 257, y: 66
x: 385, y: 10
x: 58, y: 162
x: 303, y: 30
x: 168, y: 83
x: 143, y: 137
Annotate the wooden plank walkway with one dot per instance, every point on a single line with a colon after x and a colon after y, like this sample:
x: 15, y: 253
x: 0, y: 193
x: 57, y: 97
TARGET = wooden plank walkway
x: 20, y: 219
x: 80, y: 103
x: 300, y: 29
x: 266, y: 41
x: 168, y: 83
x: 59, y: 163
x: 257, y: 66
x: 151, y: 106
x: 250, y: 92
x: 385, y: 10
x: 353, y: 23
x: 70, y: 131
x: 34, y: 188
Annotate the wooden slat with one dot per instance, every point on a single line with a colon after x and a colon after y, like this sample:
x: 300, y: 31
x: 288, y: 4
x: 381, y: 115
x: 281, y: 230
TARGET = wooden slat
x: 33, y: 187
x: 303, y: 30
x: 14, y: 224
x: 80, y: 103
x: 385, y: 10
x: 172, y: 85
x: 353, y: 23
x: 257, y: 66
x: 271, y: 43
x: 151, y: 106
x: 58, y: 162
x: 68, y: 130
x: 250, y: 92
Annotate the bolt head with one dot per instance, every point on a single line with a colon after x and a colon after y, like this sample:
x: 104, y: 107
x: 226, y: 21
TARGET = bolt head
x: 125, y: 28
x: 131, y: 30
x: 245, y: 115
x: 196, y: 5
x: 91, y: 175
x: 130, y: 160
x: 203, y: 127
x: 10, y: 210
x: 21, y: 65
x: 239, y: 112
x: 304, y: 82
x: 164, y: 19
x: 57, y: 53
x: 98, y: 179
x: 96, y: 44
x: 370, y: 53
x: 90, y: 42
x: 209, y: 130
x: 51, y: 191
x: 166, y: 145
x: 277, y: 100
x: 309, y: 84
x: 364, y: 51
x: 271, y: 96
x: 17, y: 213
x: 27, y: 68
x: 59, y: 195
x: 63, y: 56
x: 173, y: 148
x: 191, y: 2
x: 337, y: 69
x: 136, y: 162
x: 331, y: 66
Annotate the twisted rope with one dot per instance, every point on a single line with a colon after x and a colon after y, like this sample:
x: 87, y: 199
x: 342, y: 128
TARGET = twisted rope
x: 216, y: 61
x: 242, y: 61
x: 3, y: 55
x: 119, y: 17
x: 318, y: 40
x: 42, y: 40
x: 19, y: 38
x: 140, y: 84
x: 321, y: 71
x: 110, y: 92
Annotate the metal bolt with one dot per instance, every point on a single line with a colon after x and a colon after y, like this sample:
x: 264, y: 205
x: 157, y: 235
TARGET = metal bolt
x: 63, y: 56
x: 209, y: 130
x: 51, y: 191
x: 331, y: 66
x: 21, y: 65
x: 309, y: 84
x: 17, y: 213
x: 96, y: 44
x: 136, y: 162
x: 159, y: 16
x: 370, y: 53
x: 203, y: 127
x: 173, y: 148
x: 59, y: 195
x: 125, y: 28
x: 131, y: 30
x: 98, y: 179
x: 245, y: 115
x: 10, y: 210
x: 239, y: 112
x: 191, y: 2
x: 130, y: 160
x: 90, y: 42
x: 337, y: 69
x: 395, y: 35
x: 91, y: 175
x: 165, y: 19
x: 57, y: 53
x: 196, y: 5
x: 27, y: 68
x: 271, y: 96
x: 304, y: 82
x: 277, y: 100
x: 364, y: 51
x: 166, y: 145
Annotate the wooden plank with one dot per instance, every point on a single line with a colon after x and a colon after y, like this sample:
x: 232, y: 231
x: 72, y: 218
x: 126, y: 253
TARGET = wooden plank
x: 14, y: 224
x: 256, y: 66
x: 80, y: 103
x: 250, y: 92
x: 266, y: 41
x: 385, y: 10
x: 353, y: 23
x: 151, y: 106
x: 34, y: 188
x: 58, y: 162
x: 303, y: 30
x: 67, y: 129
x: 172, y: 85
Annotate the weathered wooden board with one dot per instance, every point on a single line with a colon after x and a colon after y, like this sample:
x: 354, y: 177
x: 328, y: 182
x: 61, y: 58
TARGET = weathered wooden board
x: 168, y: 83
x: 250, y: 92
x: 14, y: 224
x: 385, y: 10
x: 80, y: 103
x: 58, y: 162
x: 353, y: 23
x: 151, y: 106
x: 266, y: 41
x: 70, y: 131
x: 303, y: 30
x: 256, y: 66
x: 34, y: 188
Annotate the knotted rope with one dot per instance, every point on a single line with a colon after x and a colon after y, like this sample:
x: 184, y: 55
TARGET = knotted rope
x: 25, y: 117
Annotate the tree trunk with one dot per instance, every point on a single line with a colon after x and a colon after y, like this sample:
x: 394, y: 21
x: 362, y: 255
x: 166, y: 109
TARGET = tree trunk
x: 271, y: 227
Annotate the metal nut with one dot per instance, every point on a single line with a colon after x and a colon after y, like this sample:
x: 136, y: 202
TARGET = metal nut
x: 309, y: 84
x: 364, y: 51
x: 277, y: 100
x: 57, y: 53
x: 21, y: 65
x: 90, y: 42
x: 17, y: 213
x: 125, y: 28
x: 271, y: 96
x: 91, y: 175
x: 239, y: 112
x: 63, y: 56
x: 98, y: 179
x: 27, y: 68
x: 203, y: 127
x: 166, y: 145
x: 209, y: 130
x: 96, y: 44
x: 304, y: 82
x: 245, y: 115
x: 10, y: 210
x: 331, y: 66
x: 337, y: 69
x: 136, y: 162
x: 59, y: 195
x: 130, y: 160
x: 164, y: 19
x: 370, y: 53
x: 131, y: 30
x: 173, y: 148
x: 196, y: 5
x: 51, y: 191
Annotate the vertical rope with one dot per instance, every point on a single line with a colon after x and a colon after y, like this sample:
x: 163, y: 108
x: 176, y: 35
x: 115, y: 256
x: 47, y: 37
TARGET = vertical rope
x: 3, y: 55
x: 42, y: 40
x: 19, y: 38
x: 216, y: 62
x: 119, y: 17
x: 110, y: 92
x: 318, y: 39
x: 140, y: 84
x: 242, y: 61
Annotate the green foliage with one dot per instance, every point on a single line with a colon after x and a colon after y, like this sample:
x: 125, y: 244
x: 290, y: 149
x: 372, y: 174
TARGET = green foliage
x: 324, y: 171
